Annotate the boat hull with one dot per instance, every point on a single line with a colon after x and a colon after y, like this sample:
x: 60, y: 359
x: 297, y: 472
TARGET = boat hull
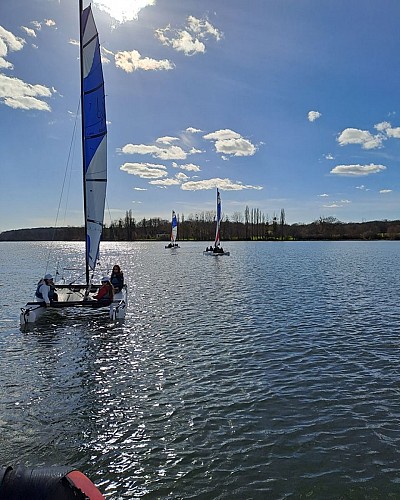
x: 32, y: 312
x: 216, y: 254
x: 74, y: 296
x: 119, y: 305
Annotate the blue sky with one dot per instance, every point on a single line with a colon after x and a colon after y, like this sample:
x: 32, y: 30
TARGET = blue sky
x: 289, y: 104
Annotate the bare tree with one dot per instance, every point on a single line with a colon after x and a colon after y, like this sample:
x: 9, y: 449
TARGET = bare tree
x: 282, y: 222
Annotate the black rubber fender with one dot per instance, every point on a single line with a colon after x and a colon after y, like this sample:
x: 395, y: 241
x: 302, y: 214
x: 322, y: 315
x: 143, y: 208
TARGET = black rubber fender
x: 46, y: 483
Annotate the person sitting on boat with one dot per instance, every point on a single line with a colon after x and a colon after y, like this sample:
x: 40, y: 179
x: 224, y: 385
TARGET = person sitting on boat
x: 46, y: 291
x: 117, y: 278
x: 106, y: 292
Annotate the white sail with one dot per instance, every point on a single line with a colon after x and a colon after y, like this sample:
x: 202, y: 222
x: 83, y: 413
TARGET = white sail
x: 174, y: 228
x: 94, y: 131
x: 217, y: 230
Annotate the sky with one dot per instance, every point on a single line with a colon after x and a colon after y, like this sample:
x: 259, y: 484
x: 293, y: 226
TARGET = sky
x: 281, y: 104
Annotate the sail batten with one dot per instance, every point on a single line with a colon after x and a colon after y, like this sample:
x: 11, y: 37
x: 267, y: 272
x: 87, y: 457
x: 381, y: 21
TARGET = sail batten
x: 94, y: 133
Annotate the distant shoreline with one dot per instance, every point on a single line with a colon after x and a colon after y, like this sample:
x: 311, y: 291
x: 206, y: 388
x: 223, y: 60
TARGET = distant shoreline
x: 199, y: 230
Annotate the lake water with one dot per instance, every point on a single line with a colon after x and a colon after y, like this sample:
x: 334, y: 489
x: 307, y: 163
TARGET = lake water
x: 273, y: 373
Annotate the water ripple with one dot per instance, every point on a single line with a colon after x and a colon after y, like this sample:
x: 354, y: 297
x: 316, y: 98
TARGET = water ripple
x: 270, y: 374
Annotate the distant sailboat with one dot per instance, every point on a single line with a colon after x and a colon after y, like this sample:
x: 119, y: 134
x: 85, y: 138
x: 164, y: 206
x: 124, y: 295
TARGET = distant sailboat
x: 94, y: 153
x: 217, y: 249
x: 174, y: 232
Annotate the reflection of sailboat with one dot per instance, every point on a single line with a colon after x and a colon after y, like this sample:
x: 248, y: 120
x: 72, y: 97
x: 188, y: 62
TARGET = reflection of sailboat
x: 174, y: 232
x: 217, y: 249
x: 94, y: 151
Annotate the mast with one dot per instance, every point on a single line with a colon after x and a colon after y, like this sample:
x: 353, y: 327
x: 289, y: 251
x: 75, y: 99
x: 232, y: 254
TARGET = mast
x: 83, y: 137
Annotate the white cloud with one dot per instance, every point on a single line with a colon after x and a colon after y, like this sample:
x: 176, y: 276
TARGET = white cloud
x: 166, y: 182
x: 190, y: 167
x: 363, y: 137
x: 381, y: 127
x: 393, y: 132
x: 8, y: 41
x: 123, y: 10
x: 20, y: 95
x: 145, y: 170
x: 229, y: 142
x: 362, y: 188
x: 221, y: 135
x: 337, y: 204
x: 223, y: 184
x: 140, y: 189
x: 385, y: 191
x: 235, y: 147
x: 332, y: 205
x: 192, y: 130
x: 29, y: 31
x: 313, y: 115
x: 13, y: 42
x: 357, y: 170
x: 183, y: 42
x: 36, y: 25
x: 182, y: 177
x: 168, y: 153
x: 329, y: 156
x: 387, y: 128
x: 105, y: 53
x: 324, y: 195
x: 130, y: 61
x: 203, y: 28
x: 167, y: 139
x: 189, y: 40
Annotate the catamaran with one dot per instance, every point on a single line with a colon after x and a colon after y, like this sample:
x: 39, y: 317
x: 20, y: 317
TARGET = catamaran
x: 174, y: 232
x: 217, y: 249
x: 94, y: 155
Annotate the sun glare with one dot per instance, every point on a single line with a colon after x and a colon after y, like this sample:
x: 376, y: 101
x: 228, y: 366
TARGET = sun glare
x: 123, y: 10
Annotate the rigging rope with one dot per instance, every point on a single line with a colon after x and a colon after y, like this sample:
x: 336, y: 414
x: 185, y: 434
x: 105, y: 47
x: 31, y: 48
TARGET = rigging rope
x: 67, y: 166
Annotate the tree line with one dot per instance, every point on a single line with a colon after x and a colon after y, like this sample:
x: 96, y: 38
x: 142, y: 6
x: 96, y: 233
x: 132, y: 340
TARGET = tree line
x: 252, y: 225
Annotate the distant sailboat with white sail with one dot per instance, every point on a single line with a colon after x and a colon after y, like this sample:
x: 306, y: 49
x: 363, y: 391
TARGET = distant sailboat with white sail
x: 94, y: 154
x: 217, y: 249
x: 174, y: 232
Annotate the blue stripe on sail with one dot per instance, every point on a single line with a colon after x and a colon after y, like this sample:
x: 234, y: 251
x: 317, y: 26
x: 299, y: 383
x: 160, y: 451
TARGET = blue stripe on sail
x: 94, y: 107
x: 88, y: 247
x: 218, y: 207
